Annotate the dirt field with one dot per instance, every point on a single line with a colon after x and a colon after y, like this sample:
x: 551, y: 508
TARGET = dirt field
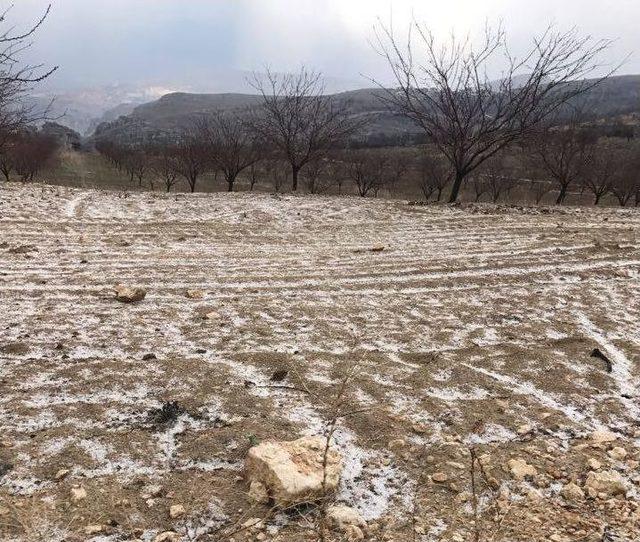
x: 468, y: 336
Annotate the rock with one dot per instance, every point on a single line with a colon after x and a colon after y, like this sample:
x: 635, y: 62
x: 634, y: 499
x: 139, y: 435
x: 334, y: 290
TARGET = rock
x: 90, y: 530
x: 279, y: 375
x: 344, y: 518
x: 572, y: 492
x: 439, y: 477
x: 258, y: 493
x: 524, y: 429
x: 78, y: 493
x: 151, y: 492
x: 419, y: 428
x: 149, y: 357
x: 608, y: 482
x: 534, y: 495
x: 125, y: 294
x: 176, y: 511
x: 603, y: 436
x: 377, y: 248
x: 520, y: 469
x: 254, y: 523
x: 61, y: 474
x: 195, y: 294
x: 618, y: 453
x: 167, y: 536
x: 213, y: 315
x: 292, y: 472
x: 594, y: 464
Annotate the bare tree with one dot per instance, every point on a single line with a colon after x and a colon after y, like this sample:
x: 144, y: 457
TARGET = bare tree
x: 498, y: 177
x: 479, y: 185
x: 33, y: 152
x: 367, y: 169
x: 626, y: 186
x: 231, y: 145
x: 601, y: 171
x: 299, y: 119
x: 317, y: 175
x: 164, y: 166
x: 564, y: 153
x: 540, y: 188
x: 446, y: 89
x: 277, y: 170
x: 17, y: 80
x: 192, y: 157
x: 254, y: 172
x: 136, y: 163
x: 434, y: 176
x: 396, y: 171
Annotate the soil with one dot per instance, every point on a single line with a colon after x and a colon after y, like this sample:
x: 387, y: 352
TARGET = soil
x: 463, y: 332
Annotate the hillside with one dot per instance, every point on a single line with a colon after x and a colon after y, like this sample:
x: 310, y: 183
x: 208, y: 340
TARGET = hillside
x: 172, y: 113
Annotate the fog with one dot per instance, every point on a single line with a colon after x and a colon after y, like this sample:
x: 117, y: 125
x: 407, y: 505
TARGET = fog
x: 204, y: 44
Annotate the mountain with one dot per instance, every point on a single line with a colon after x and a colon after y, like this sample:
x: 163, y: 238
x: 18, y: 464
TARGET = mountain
x: 83, y: 109
x: 165, y: 118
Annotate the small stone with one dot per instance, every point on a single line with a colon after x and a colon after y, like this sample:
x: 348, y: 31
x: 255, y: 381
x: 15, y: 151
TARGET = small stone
x: 176, y: 511
x: 213, y: 315
x: 125, y: 294
x: 594, y: 464
x: 618, y: 453
x: 603, y: 436
x: 520, y: 469
x: 195, y: 294
x: 151, y: 492
x: 440, y: 477
x: 419, y: 428
x: 254, y: 523
x: 572, y: 492
x: 397, y: 443
x: 61, y: 474
x: 258, y: 493
x: 610, y: 483
x: 78, y: 493
x: 524, y: 429
x: 347, y: 520
x: 167, y: 536
x: 92, y: 529
x: 533, y: 495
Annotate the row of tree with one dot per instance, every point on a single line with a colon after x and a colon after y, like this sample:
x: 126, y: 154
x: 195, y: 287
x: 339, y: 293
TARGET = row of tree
x: 560, y: 161
x: 26, y: 153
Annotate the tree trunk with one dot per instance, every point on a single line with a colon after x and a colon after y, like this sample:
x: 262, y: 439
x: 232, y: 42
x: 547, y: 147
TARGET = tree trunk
x: 455, y: 189
x: 597, y: 200
x: 294, y: 176
x: 230, y: 185
x: 562, y: 194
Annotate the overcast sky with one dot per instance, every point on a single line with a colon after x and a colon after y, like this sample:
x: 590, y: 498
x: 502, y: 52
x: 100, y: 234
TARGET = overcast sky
x: 190, y: 41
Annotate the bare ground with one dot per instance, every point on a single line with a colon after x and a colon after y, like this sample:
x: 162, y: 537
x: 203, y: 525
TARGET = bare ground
x: 471, y: 333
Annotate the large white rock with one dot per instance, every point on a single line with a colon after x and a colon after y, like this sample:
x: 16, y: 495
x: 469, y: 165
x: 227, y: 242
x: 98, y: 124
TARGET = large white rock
x: 292, y: 472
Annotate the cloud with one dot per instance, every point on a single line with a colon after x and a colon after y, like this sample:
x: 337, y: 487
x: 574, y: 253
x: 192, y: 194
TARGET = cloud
x: 96, y: 42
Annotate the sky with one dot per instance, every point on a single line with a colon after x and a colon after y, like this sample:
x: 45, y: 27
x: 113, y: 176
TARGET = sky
x: 201, y: 43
